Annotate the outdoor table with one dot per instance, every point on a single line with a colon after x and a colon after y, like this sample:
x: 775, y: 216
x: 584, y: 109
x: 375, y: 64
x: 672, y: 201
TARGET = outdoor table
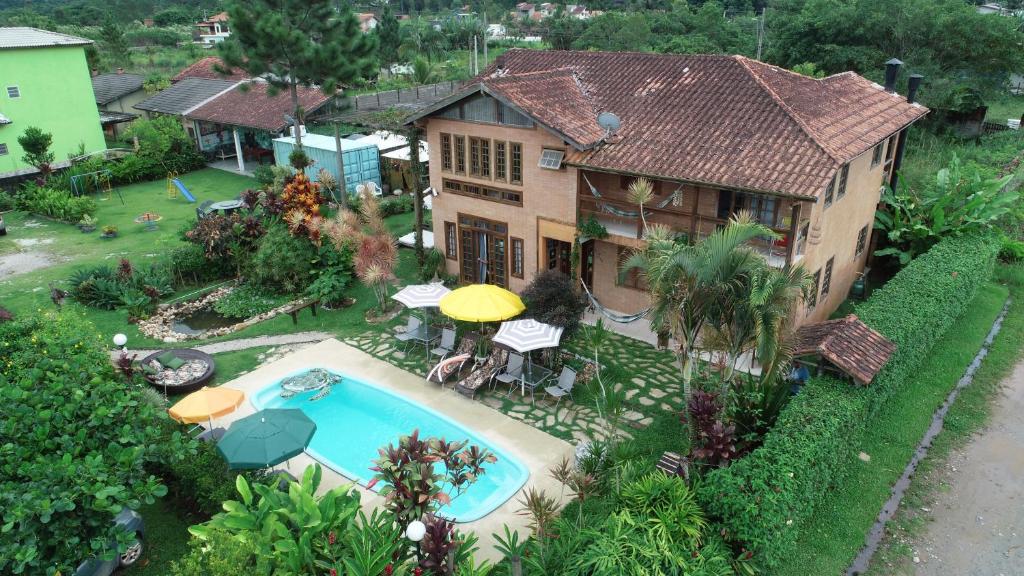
x: 426, y: 335
x: 228, y: 206
x: 534, y: 375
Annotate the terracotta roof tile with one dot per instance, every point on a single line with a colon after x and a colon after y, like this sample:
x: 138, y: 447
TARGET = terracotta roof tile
x: 849, y: 344
x: 724, y: 120
x: 254, y: 108
x: 204, y: 68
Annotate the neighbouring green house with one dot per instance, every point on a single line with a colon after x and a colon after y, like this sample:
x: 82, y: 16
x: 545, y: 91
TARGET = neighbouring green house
x: 45, y: 82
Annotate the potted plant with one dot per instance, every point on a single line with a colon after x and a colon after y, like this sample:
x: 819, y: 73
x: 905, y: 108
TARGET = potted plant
x: 109, y: 231
x: 87, y: 224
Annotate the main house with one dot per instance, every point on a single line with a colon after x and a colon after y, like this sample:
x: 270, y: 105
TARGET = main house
x: 545, y: 143
x: 45, y: 82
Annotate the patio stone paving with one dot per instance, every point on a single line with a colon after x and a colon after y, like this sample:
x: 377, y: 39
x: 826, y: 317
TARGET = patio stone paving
x: 650, y: 377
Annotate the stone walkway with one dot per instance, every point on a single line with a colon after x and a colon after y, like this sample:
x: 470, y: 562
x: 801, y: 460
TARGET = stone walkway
x: 245, y: 343
x: 650, y: 376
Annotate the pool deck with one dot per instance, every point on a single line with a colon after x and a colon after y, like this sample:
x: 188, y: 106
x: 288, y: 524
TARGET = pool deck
x: 537, y: 450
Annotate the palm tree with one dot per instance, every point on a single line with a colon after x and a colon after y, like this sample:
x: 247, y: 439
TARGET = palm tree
x: 423, y: 70
x: 691, y: 284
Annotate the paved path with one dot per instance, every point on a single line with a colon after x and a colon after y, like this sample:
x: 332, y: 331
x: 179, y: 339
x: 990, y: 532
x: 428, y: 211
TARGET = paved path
x: 246, y: 343
x: 979, y: 521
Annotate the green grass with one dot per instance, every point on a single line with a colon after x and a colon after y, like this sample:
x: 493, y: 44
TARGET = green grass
x: 1005, y: 107
x: 969, y: 414
x: 837, y: 531
x: 167, y: 538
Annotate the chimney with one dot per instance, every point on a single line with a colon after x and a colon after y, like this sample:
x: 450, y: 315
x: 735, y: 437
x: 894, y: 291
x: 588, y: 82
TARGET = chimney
x: 892, y: 69
x: 120, y: 70
x: 912, y: 86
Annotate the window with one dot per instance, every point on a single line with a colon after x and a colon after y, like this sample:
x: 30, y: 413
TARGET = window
x: 876, y: 155
x: 890, y: 149
x: 761, y: 208
x: 474, y: 156
x: 551, y: 159
x: 451, y: 243
x: 844, y: 175
x: 13, y: 92
x: 830, y: 192
x: 485, y: 192
x: 516, y: 163
x: 862, y: 240
x: 3, y: 149
x: 517, y: 257
x: 460, y: 154
x: 826, y: 282
x: 446, y: 152
x: 633, y: 278
x: 812, y: 298
x: 500, y: 160
x: 485, y: 158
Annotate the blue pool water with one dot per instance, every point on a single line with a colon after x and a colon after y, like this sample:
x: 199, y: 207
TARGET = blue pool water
x: 357, y: 418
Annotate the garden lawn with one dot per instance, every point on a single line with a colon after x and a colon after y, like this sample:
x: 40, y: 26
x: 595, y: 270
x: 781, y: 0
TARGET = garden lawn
x: 968, y: 414
x: 167, y: 538
x: 832, y: 537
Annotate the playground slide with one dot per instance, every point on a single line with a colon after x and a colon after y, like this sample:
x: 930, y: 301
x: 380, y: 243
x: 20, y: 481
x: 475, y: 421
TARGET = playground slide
x: 184, y: 191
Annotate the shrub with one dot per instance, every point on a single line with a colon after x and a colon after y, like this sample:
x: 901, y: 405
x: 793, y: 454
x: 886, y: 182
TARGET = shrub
x: 282, y: 263
x: 76, y: 441
x: 247, y: 301
x: 232, y: 557
x: 397, y: 205
x: 334, y: 277
x: 202, y: 481
x: 56, y: 204
x: 552, y: 298
x: 763, y: 500
x: 264, y: 175
x: 136, y: 289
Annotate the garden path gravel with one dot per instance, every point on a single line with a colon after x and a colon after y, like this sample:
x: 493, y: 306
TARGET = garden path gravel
x: 979, y: 520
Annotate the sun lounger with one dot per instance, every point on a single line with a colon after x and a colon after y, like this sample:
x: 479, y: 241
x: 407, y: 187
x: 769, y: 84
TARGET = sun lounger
x: 469, y: 385
x: 464, y: 352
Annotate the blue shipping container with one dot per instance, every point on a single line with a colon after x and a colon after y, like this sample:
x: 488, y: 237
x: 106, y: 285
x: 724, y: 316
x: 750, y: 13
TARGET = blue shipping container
x: 362, y: 161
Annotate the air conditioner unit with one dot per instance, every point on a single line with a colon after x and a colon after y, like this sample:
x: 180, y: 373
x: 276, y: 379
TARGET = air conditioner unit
x: 302, y: 130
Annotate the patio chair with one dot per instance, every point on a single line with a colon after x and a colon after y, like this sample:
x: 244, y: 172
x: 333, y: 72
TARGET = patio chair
x: 469, y: 385
x: 466, y: 348
x: 510, y: 373
x: 564, y: 385
x: 444, y: 348
x: 412, y: 326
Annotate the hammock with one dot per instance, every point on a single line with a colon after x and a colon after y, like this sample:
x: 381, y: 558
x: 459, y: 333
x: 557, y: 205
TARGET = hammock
x: 630, y: 213
x: 613, y: 316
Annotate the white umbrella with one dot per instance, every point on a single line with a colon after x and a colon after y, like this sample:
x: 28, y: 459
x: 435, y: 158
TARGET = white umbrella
x: 526, y: 335
x: 421, y: 295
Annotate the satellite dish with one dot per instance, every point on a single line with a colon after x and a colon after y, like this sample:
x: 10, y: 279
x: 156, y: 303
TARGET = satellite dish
x: 609, y: 121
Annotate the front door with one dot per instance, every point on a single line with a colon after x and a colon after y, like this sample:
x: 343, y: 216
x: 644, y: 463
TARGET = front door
x: 559, y: 255
x: 483, y: 253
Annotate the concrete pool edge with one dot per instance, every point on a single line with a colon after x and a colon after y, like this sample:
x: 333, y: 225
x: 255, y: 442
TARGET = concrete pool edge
x: 535, y: 449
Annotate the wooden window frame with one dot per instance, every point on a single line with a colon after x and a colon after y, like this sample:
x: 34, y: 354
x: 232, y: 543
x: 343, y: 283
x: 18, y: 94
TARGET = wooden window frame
x: 844, y: 178
x: 830, y: 191
x: 451, y: 240
x: 472, y: 229
x: 485, y: 158
x: 812, y: 300
x: 474, y: 156
x: 473, y: 190
x: 826, y: 279
x: 500, y: 161
x: 514, y: 164
x: 877, y: 154
x: 446, y: 152
x: 862, y: 241
x: 517, y: 257
x: 460, y: 154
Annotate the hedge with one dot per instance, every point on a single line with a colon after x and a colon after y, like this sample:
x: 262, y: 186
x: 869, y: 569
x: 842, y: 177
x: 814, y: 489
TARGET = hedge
x: 763, y: 500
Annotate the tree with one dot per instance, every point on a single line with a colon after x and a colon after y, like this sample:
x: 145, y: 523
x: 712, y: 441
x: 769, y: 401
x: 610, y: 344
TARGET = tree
x: 389, y: 36
x: 76, y: 441
x: 114, y: 44
x: 561, y: 31
x: 36, y: 145
x: 296, y: 43
x: 173, y: 15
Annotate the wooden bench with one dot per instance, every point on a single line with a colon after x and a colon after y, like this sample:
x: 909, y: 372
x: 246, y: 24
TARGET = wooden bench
x: 294, y: 310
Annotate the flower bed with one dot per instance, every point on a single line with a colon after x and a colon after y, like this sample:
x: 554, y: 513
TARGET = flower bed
x: 161, y: 325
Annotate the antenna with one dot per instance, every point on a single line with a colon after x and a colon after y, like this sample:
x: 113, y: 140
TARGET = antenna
x: 609, y: 121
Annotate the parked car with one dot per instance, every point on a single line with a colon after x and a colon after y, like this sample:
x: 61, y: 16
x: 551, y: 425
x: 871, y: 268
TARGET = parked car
x: 130, y: 521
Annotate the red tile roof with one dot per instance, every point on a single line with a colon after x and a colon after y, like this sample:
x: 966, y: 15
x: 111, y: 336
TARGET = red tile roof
x: 204, y: 68
x: 722, y: 120
x: 847, y: 343
x: 254, y: 108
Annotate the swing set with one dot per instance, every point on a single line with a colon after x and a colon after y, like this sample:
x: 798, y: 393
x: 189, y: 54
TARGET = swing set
x: 97, y: 182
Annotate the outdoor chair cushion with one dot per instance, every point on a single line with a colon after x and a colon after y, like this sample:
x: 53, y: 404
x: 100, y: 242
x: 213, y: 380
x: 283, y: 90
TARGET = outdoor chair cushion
x: 170, y: 361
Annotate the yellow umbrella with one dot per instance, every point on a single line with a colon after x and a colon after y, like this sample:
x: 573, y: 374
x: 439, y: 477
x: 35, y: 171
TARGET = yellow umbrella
x: 206, y: 404
x: 481, y: 303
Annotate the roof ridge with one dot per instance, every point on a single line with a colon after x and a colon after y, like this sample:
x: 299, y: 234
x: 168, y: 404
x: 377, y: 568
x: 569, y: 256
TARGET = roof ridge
x: 211, y: 98
x: 745, y: 62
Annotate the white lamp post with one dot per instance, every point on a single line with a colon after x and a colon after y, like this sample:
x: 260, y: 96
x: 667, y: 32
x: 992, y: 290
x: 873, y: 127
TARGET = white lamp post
x: 120, y: 340
x: 415, y: 533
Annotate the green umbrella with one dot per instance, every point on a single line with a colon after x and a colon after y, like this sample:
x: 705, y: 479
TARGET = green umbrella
x: 266, y: 438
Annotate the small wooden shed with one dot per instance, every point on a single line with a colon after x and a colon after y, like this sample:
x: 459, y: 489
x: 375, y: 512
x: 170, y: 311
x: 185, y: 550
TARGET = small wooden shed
x: 847, y: 345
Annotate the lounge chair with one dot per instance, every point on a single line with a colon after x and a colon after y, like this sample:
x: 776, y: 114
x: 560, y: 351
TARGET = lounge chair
x: 564, y: 385
x: 511, y: 372
x: 464, y: 352
x: 411, y: 328
x: 469, y: 385
x: 444, y: 348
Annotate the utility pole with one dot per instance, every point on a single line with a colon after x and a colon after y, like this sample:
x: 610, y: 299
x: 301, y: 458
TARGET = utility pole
x: 760, y: 33
x: 486, y: 38
x: 476, y: 67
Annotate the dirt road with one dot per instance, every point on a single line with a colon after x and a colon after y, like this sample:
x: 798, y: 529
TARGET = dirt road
x: 979, y: 520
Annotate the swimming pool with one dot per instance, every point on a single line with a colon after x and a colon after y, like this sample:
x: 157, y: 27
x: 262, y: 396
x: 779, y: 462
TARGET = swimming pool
x: 356, y: 418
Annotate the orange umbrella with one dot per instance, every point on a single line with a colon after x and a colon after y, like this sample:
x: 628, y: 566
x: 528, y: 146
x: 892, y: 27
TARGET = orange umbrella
x: 206, y: 404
